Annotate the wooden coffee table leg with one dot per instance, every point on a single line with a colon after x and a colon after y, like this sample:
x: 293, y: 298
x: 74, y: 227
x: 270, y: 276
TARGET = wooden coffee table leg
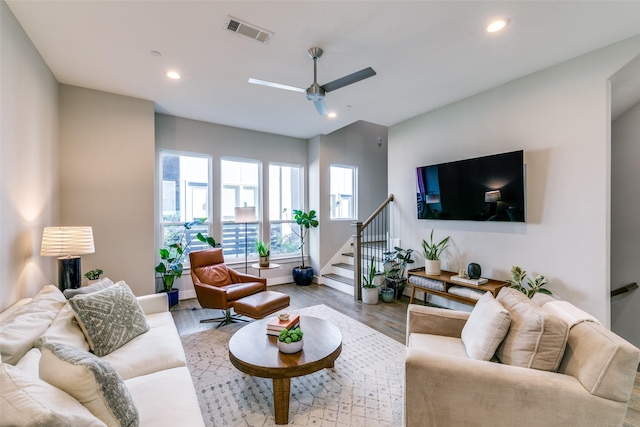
x: 281, y: 391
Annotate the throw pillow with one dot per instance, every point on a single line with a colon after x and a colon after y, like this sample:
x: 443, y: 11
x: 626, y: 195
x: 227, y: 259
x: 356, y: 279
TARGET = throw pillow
x: 486, y: 327
x: 29, y: 401
x: 109, y: 318
x: 19, y: 331
x: 91, y: 381
x: 65, y: 330
x: 94, y: 287
x: 536, y: 339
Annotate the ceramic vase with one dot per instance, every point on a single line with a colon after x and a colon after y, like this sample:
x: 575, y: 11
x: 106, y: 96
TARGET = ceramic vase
x: 432, y: 267
x: 290, y: 348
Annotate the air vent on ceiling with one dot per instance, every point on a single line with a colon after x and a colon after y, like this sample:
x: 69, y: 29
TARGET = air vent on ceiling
x: 239, y: 27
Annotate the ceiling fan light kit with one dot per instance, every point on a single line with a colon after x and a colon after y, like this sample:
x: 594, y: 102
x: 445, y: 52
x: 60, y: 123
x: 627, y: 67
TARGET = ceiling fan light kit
x: 315, y: 92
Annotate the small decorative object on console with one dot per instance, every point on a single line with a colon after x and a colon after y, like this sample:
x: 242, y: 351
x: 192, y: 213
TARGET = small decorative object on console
x: 474, y: 270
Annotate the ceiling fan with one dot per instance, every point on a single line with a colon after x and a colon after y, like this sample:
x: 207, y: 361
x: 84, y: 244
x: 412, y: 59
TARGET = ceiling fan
x: 315, y: 92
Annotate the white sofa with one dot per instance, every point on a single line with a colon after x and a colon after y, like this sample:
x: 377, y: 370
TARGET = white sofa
x: 152, y: 365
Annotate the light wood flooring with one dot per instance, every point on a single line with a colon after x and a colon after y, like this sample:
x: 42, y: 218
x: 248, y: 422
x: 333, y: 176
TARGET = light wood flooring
x: 387, y: 318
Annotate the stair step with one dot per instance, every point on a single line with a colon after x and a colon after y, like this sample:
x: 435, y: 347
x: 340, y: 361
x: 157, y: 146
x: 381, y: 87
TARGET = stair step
x: 339, y: 278
x: 343, y: 265
x: 349, y: 254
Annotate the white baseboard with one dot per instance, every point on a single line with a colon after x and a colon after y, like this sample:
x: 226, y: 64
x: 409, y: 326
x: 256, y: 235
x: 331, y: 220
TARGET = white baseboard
x: 187, y: 294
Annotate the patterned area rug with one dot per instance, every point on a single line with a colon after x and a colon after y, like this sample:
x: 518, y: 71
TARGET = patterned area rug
x: 363, y: 389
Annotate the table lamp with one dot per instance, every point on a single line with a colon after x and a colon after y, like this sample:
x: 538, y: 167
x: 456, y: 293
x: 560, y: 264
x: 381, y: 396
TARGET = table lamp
x: 67, y: 243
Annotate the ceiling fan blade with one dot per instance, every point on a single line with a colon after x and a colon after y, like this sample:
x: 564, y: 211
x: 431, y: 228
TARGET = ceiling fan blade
x: 276, y: 85
x: 321, y: 107
x: 350, y: 79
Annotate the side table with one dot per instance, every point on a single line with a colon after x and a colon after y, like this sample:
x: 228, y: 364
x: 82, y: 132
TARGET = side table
x: 271, y: 266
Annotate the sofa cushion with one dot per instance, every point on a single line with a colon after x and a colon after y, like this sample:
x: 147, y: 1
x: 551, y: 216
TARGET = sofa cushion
x: 451, y: 346
x: 157, y: 349
x: 19, y: 331
x: 29, y: 401
x: 64, y: 330
x: 91, y: 381
x: 94, y: 287
x: 486, y: 328
x: 159, y: 395
x: 109, y: 318
x: 535, y: 339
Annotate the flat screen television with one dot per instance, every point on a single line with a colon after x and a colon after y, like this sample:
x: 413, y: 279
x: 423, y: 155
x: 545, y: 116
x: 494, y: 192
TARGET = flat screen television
x: 489, y: 188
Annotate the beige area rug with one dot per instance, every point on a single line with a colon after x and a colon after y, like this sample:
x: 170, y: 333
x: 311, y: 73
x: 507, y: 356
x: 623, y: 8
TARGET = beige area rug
x: 364, y: 388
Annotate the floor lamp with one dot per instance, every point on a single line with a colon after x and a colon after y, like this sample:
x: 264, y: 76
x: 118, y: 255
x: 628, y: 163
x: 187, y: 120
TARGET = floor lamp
x: 245, y: 215
x: 67, y: 243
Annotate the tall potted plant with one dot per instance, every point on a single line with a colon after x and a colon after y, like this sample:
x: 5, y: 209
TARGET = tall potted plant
x: 432, y: 252
x: 171, y: 257
x: 302, y: 274
x: 395, y: 264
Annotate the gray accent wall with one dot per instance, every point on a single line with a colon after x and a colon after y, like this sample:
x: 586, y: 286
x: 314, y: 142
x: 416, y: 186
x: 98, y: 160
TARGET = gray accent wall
x: 29, y: 185
x: 107, y: 173
x: 560, y: 117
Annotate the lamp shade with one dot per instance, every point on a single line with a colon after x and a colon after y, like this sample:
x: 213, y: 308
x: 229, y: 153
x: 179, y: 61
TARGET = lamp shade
x: 492, y: 196
x: 64, y: 241
x: 245, y: 214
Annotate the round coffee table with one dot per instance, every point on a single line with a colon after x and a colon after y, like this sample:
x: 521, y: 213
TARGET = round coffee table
x: 254, y: 352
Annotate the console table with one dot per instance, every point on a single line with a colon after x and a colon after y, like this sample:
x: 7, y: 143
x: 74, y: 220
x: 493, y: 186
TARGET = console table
x: 492, y: 286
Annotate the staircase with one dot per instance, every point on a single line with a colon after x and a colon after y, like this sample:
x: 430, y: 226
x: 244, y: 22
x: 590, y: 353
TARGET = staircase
x: 370, y: 239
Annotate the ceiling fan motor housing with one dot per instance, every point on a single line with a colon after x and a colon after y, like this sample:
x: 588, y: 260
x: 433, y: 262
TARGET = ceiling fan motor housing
x: 315, y: 92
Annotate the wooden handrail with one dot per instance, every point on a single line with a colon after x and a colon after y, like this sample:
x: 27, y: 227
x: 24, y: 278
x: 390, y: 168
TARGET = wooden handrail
x: 623, y: 290
x: 377, y: 211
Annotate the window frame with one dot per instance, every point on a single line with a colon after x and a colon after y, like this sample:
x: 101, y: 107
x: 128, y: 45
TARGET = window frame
x: 354, y: 189
x: 301, y: 195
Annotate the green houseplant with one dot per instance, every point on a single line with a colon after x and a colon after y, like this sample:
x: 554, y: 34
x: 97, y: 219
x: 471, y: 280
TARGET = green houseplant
x: 432, y: 252
x: 290, y: 340
x: 369, y: 289
x: 93, y: 274
x: 395, y: 265
x: 263, y: 252
x: 536, y: 285
x: 303, y: 275
x: 171, y: 256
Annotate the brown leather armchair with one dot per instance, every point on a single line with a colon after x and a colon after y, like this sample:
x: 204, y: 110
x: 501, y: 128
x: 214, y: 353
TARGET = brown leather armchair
x: 218, y: 286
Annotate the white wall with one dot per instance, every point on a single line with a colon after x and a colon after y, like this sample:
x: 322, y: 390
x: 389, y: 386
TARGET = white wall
x: 28, y: 162
x: 625, y: 222
x: 107, y: 176
x: 560, y: 117
x: 174, y: 133
x: 354, y: 145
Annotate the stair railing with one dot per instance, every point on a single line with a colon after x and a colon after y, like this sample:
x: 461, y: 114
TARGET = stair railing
x: 369, y: 240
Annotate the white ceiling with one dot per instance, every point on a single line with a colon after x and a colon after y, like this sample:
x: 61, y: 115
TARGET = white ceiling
x: 427, y: 53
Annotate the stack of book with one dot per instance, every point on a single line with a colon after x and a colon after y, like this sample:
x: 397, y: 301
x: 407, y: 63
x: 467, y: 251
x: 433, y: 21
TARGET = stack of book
x: 275, y: 325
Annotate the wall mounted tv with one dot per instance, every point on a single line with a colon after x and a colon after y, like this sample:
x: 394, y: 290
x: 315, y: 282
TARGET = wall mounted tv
x: 489, y: 188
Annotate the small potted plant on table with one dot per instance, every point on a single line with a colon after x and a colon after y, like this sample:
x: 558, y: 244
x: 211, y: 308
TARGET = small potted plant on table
x: 93, y: 275
x: 432, y: 252
x: 263, y: 252
x: 290, y: 340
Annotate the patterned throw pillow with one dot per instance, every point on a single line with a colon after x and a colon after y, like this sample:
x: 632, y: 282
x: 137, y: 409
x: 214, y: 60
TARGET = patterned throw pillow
x: 94, y: 287
x: 91, y: 381
x: 109, y: 318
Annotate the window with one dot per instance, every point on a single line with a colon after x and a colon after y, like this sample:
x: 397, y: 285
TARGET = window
x: 184, y: 196
x: 342, y: 181
x: 240, y: 189
x: 285, y: 192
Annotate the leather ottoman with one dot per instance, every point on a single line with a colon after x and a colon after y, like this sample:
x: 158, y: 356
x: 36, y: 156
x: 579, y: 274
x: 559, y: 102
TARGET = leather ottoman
x: 261, y: 304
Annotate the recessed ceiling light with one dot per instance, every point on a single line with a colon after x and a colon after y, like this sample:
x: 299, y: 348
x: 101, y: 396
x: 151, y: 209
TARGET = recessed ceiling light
x: 173, y: 75
x: 497, y: 25
x: 332, y: 115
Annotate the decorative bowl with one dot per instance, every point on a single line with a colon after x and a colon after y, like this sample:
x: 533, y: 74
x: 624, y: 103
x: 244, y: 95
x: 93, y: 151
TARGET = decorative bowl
x: 283, y: 316
x: 290, y: 348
